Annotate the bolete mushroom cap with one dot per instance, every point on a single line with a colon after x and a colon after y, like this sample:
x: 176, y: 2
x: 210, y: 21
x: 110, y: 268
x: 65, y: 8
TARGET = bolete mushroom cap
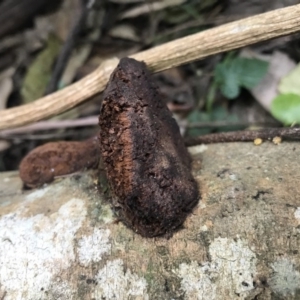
x: 146, y: 161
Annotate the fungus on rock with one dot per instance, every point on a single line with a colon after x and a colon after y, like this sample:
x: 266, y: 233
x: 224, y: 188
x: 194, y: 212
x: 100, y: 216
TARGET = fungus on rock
x: 44, y: 163
x: 146, y: 161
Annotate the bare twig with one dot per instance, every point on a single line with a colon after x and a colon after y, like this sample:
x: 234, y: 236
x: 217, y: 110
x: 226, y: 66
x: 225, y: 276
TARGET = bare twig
x: 27, y: 132
x: 245, y: 136
x: 50, y: 136
x: 49, y: 125
x: 93, y: 121
x: 219, y: 39
x: 218, y: 124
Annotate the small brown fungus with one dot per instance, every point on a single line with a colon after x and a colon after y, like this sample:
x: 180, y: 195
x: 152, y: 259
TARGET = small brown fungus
x: 146, y: 162
x: 44, y: 163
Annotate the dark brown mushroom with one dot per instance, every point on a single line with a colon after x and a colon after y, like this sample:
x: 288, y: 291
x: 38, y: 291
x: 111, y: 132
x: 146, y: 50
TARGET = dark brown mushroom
x: 146, y: 162
x: 44, y: 163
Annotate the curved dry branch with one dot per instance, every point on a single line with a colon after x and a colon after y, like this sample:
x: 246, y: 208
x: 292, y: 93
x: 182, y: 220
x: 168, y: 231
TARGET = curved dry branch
x: 219, y: 39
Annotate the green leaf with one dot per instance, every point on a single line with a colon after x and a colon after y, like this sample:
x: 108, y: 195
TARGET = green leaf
x: 234, y: 73
x: 286, y: 108
x: 227, y: 79
x: 221, y: 114
x: 194, y: 117
x: 290, y: 84
x: 251, y: 71
x: 39, y: 72
x: 211, y: 94
x: 217, y: 114
x: 230, y: 88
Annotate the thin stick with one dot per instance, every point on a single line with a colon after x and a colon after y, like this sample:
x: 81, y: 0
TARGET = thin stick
x: 218, y: 124
x: 245, y: 136
x: 49, y: 125
x: 219, y: 39
x: 288, y: 134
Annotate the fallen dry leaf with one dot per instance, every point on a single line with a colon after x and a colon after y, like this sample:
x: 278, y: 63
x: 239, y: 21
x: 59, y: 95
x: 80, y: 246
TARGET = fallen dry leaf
x: 6, y: 86
x: 65, y: 17
x: 124, y: 31
x: 76, y: 60
x: 39, y: 72
x: 126, y: 1
x: 149, y: 7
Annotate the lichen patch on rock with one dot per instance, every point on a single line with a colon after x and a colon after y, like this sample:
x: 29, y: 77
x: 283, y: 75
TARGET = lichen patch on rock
x: 285, y: 280
x: 37, y: 194
x: 114, y: 283
x: 297, y: 214
x: 34, y: 250
x: 91, y: 248
x: 232, y: 265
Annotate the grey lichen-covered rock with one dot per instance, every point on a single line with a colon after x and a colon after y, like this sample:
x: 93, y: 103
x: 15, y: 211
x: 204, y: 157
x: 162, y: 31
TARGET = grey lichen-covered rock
x: 62, y: 241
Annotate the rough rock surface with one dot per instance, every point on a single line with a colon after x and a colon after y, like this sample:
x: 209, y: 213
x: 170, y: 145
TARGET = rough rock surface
x: 62, y: 241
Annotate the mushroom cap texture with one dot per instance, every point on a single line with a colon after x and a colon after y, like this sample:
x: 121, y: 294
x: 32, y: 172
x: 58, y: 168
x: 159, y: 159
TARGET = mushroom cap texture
x: 44, y: 163
x: 146, y: 161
